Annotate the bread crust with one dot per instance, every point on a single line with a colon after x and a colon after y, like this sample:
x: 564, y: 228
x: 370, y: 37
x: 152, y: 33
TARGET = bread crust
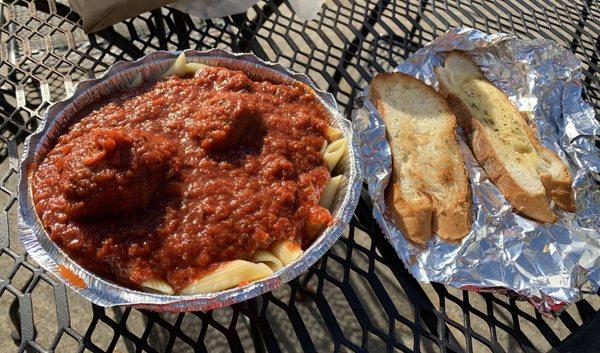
x: 414, y: 218
x: 532, y: 205
x: 559, y: 190
x: 421, y: 215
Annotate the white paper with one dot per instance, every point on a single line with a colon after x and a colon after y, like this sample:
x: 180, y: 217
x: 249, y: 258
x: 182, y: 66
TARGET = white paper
x: 304, y: 9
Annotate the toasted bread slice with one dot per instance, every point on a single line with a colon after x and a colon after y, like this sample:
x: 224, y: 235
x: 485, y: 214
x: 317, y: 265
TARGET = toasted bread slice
x: 429, y: 191
x: 528, y: 174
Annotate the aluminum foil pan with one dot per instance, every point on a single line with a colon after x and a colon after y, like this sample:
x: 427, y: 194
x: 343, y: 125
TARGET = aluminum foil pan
x: 119, y: 76
x: 548, y: 265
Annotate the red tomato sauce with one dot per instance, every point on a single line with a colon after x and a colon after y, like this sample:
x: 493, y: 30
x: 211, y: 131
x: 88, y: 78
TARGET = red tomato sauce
x: 71, y: 277
x: 168, y: 178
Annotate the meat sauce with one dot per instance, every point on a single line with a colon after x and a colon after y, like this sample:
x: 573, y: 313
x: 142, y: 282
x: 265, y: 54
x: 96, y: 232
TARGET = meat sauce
x: 167, y: 179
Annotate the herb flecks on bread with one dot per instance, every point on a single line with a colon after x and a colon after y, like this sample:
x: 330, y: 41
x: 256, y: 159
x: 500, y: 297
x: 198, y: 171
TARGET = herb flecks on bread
x: 528, y: 174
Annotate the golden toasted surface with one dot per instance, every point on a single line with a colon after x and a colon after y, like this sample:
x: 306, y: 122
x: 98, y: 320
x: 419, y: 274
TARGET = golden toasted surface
x: 528, y: 174
x: 429, y: 191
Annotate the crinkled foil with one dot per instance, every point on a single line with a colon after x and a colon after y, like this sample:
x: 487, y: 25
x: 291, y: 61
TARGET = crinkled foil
x: 546, y: 264
x: 102, y: 292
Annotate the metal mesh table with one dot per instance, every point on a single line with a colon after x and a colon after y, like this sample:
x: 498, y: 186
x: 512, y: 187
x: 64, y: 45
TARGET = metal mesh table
x: 358, y: 297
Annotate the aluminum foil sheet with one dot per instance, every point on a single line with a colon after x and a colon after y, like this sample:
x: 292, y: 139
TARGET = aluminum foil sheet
x: 550, y: 265
x: 104, y: 293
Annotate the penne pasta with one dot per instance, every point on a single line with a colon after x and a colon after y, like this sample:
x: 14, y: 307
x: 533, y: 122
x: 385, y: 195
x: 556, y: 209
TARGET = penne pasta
x: 158, y: 286
x: 137, y: 80
x: 332, y: 133
x: 228, y: 275
x: 313, y: 229
x: 286, y: 251
x: 323, y: 147
x: 268, y: 259
x: 331, y: 188
x: 178, y: 66
x: 191, y: 68
x: 334, y: 152
x: 284, y: 165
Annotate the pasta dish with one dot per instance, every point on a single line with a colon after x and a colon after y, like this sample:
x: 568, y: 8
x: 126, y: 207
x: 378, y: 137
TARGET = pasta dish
x: 200, y: 181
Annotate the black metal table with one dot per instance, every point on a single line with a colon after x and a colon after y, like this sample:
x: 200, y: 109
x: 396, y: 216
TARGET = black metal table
x: 358, y: 297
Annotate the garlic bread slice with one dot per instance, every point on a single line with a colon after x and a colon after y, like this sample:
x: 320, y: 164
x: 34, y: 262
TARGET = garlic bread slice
x: 528, y: 174
x: 429, y: 190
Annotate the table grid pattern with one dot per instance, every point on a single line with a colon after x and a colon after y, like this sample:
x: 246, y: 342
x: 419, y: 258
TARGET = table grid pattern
x: 358, y: 297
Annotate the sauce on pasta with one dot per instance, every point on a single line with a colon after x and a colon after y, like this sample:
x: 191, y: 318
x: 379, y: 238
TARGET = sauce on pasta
x: 167, y: 179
